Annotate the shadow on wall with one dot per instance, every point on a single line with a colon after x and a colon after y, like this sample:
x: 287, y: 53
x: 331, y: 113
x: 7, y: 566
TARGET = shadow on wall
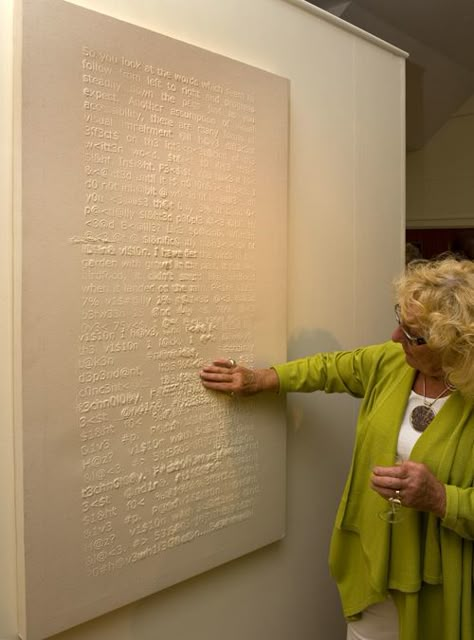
x: 311, y: 341
x: 321, y: 429
x: 306, y: 343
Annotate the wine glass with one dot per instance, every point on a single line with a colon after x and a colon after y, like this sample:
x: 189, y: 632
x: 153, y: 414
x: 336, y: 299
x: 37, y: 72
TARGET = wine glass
x: 395, y: 512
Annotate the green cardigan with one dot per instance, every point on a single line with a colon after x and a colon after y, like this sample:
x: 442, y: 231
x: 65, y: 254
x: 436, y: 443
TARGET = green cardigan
x: 424, y: 562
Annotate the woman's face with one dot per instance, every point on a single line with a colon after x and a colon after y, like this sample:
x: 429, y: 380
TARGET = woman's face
x: 418, y: 356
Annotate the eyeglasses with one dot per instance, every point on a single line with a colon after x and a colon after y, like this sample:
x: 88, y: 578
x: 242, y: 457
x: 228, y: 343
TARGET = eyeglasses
x: 415, y: 340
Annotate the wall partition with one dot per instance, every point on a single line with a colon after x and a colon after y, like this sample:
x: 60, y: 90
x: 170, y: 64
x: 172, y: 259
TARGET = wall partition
x: 162, y: 144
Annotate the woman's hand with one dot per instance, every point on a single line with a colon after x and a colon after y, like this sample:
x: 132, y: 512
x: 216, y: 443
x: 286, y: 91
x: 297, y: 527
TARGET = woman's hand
x: 417, y: 487
x: 227, y: 376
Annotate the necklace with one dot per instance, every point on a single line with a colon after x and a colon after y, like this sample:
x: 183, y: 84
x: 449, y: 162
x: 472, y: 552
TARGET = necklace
x: 423, y: 414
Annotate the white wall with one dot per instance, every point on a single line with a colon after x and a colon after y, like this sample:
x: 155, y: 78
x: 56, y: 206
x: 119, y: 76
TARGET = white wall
x: 346, y: 233
x: 440, y: 188
x: 7, y: 532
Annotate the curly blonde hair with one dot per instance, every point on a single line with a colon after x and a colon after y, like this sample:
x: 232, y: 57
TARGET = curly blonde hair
x: 439, y: 294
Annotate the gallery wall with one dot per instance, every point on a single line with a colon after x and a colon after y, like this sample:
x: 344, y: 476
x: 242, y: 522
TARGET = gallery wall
x: 346, y: 230
x: 8, y: 624
x: 440, y: 190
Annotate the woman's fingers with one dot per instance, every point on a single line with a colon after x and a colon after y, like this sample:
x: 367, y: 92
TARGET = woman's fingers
x: 227, y: 376
x: 220, y: 366
x: 219, y: 376
x: 418, y: 487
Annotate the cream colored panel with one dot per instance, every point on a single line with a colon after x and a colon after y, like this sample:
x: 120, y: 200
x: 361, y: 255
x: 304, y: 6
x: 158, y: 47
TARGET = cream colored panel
x: 7, y: 520
x: 154, y: 190
x: 379, y: 125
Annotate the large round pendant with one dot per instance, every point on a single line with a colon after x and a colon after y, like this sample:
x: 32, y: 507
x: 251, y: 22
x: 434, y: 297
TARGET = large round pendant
x: 421, y: 417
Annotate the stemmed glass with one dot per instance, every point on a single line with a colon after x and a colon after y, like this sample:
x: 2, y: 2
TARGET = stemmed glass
x: 394, y: 513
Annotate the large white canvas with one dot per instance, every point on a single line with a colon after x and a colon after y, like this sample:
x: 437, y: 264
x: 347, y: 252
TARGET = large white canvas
x: 153, y: 198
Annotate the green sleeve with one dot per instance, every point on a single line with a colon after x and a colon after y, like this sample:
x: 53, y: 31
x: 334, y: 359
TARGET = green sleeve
x: 333, y: 372
x: 459, y: 515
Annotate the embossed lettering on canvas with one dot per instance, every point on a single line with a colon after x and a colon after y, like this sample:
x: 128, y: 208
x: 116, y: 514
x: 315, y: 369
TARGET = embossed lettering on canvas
x: 153, y: 239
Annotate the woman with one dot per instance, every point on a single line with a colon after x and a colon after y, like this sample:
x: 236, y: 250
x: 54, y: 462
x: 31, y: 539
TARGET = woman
x: 413, y: 578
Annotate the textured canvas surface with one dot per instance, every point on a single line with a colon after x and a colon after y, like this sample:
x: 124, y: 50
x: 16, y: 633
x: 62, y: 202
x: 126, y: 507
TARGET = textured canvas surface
x: 153, y: 199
